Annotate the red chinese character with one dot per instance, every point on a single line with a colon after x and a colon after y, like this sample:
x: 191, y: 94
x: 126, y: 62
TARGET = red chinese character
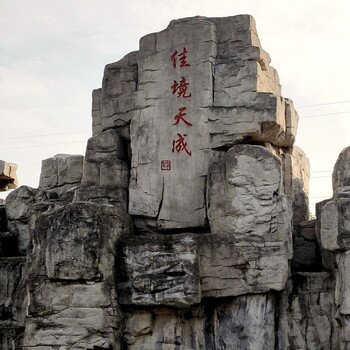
x: 165, y: 165
x: 180, y: 144
x: 181, y: 116
x: 173, y: 58
x: 180, y: 88
x: 182, y: 56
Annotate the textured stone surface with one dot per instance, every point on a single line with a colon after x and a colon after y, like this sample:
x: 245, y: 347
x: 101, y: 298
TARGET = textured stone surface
x: 75, y: 244
x: 166, y: 328
x: 159, y: 270
x: 230, y: 268
x: 12, y: 292
x: 106, y: 174
x: 61, y: 174
x: 341, y: 172
x: 306, y: 251
x: 342, y: 297
x: 8, y: 176
x: 192, y: 137
x: 335, y: 225
x: 19, y: 208
x: 296, y: 169
x: 244, y: 198
x: 180, y: 269
x: 180, y: 127
x: 96, y: 112
x: 246, y: 322
x: 311, y: 313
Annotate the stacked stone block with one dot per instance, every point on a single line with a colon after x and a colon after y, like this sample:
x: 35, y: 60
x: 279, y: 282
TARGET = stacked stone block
x: 186, y: 224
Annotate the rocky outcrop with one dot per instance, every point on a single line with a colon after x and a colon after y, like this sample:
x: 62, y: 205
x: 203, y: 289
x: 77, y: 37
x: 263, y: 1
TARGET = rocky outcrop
x: 106, y: 173
x: 61, y: 175
x: 186, y: 224
x: 8, y: 177
x: 71, y: 284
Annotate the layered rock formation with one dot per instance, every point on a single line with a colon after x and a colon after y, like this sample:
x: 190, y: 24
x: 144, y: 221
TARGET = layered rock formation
x: 185, y: 226
x: 8, y: 177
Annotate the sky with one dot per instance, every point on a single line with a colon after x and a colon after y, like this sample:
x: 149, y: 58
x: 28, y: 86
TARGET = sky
x: 53, y: 52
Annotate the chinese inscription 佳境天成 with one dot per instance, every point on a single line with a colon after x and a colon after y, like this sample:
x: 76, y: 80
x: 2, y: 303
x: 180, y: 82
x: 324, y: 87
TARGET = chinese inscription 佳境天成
x: 181, y: 89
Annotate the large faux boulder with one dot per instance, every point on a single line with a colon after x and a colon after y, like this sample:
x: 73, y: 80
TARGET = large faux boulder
x: 71, y: 278
x: 201, y: 84
x: 341, y: 172
x: 106, y: 174
x: 296, y: 177
x: 335, y: 224
x: 179, y: 270
x: 159, y: 270
x: 61, y: 174
x: 8, y: 177
x: 245, y: 197
x: 19, y: 208
x: 311, y: 312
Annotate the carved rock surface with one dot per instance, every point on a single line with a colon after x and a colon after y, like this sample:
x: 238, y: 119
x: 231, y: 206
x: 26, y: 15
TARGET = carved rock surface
x: 335, y: 225
x: 311, y: 312
x: 8, y: 176
x: 106, y: 174
x: 306, y: 251
x: 159, y: 270
x: 229, y: 268
x: 75, y: 244
x: 244, y: 197
x: 341, y: 172
x: 12, y: 292
x: 245, y: 322
x: 257, y: 331
x: 178, y: 270
x: 192, y: 138
x: 61, y: 174
x: 19, y: 208
x: 296, y: 168
x: 342, y: 298
x: 199, y: 85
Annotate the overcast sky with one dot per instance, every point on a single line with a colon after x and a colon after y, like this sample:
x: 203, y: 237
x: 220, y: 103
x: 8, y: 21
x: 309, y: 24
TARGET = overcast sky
x: 53, y: 52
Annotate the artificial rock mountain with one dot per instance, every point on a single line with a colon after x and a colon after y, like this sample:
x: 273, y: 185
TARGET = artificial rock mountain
x: 186, y: 224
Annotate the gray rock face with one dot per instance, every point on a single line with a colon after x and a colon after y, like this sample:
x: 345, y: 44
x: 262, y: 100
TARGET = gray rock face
x: 335, y: 225
x: 8, y: 176
x: 61, y: 174
x: 257, y: 330
x: 311, y: 313
x: 159, y: 270
x: 19, y: 209
x: 12, y: 292
x: 76, y: 245
x: 248, y: 178
x: 245, y: 322
x: 306, y: 251
x: 106, y: 173
x: 341, y: 172
x: 193, y: 140
x: 296, y: 169
x: 191, y: 88
x: 178, y: 270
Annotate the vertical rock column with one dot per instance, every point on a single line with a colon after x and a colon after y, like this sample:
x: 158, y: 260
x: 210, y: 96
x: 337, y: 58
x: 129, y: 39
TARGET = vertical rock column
x: 334, y: 234
x: 72, y: 301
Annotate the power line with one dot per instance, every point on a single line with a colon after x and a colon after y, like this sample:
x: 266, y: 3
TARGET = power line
x: 321, y: 115
x: 58, y: 133
x: 48, y: 144
x: 323, y: 104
